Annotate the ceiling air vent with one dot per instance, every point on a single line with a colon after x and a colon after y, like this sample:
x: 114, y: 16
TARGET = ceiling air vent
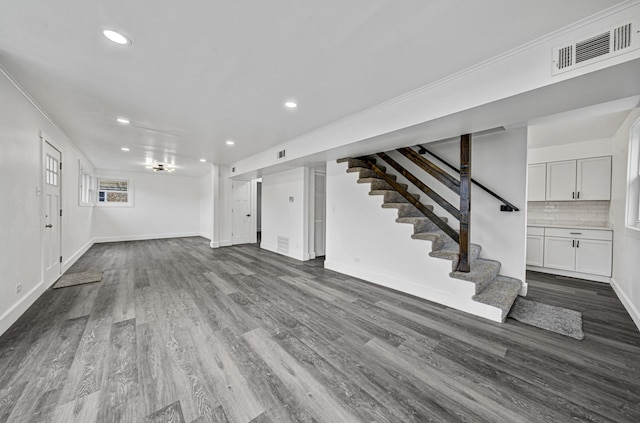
x: 618, y: 40
x: 281, y: 154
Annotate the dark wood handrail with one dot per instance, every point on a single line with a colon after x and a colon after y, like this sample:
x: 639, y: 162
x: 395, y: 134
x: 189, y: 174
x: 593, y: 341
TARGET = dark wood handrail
x: 422, y: 186
x: 510, y: 207
x: 411, y: 199
x: 432, y: 169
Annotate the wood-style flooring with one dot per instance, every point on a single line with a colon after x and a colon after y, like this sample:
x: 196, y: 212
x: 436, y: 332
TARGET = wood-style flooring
x: 178, y: 332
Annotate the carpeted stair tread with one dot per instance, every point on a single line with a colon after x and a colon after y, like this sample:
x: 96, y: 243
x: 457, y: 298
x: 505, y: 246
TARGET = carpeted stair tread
x: 379, y: 184
x: 482, y: 272
x: 406, y: 209
x: 368, y: 173
x: 501, y: 292
x: 451, y: 251
x: 392, y: 196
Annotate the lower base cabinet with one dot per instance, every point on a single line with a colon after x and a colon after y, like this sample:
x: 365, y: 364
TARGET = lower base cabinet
x: 586, y: 251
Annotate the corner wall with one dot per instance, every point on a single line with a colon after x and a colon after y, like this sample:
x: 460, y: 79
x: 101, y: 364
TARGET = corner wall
x: 164, y: 206
x: 626, y: 241
x: 21, y: 206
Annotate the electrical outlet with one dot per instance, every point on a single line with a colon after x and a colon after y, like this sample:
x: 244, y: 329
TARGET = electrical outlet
x: 18, y: 288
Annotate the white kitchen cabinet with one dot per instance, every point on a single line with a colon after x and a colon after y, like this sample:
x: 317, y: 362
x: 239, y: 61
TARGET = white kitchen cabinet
x: 578, y: 250
x: 537, y: 182
x: 593, y: 178
x: 593, y: 256
x: 535, y: 246
x: 561, y: 181
x: 582, y: 179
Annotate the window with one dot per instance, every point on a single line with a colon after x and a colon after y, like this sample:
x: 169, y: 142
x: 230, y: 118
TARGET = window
x: 86, y: 188
x: 114, y: 192
x: 51, y: 171
x: 633, y: 192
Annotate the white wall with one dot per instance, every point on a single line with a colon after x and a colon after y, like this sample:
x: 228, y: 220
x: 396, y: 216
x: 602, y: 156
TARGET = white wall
x: 20, y: 208
x: 164, y: 206
x: 626, y: 241
x: 206, y: 206
x: 284, y: 218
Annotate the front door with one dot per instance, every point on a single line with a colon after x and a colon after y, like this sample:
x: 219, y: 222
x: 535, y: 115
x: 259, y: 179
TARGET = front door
x: 241, y: 214
x: 51, y: 259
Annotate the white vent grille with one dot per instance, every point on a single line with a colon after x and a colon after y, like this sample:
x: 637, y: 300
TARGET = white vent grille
x: 283, y: 245
x: 618, y: 40
x: 565, y: 57
x: 622, y: 37
x: 593, y: 47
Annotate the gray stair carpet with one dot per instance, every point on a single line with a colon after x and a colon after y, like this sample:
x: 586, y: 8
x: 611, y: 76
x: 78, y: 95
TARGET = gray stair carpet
x: 491, y: 288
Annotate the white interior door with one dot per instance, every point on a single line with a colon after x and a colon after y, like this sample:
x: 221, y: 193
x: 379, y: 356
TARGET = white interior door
x: 241, y: 212
x: 51, y: 258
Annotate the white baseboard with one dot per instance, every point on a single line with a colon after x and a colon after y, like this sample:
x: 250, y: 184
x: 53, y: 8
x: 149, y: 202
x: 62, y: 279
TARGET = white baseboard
x: 18, y: 309
x: 100, y: 240
x: 579, y: 275
x: 205, y: 236
x: 627, y: 303
x: 71, y: 260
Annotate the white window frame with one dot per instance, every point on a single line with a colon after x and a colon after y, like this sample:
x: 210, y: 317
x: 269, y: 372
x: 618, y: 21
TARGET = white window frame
x: 86, y: 187
x: 129, y: 191
x: 633, y: 179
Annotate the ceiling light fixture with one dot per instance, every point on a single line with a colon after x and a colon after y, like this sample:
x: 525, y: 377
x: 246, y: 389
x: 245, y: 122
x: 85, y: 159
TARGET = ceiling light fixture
x: 116, y: 37
x: 290, y: 104
x: 229, y: 142
x: 123, y: 121
x: 203, y: 160
x: 125, y: 149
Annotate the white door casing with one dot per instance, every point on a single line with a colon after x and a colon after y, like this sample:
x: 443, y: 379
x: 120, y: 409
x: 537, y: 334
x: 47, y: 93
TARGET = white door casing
x: 241, y: 212
x: 51, y: 211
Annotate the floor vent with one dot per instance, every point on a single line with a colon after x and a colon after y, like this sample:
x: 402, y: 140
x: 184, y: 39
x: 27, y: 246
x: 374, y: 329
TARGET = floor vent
x: 618, y: 40
x: 283, y: 245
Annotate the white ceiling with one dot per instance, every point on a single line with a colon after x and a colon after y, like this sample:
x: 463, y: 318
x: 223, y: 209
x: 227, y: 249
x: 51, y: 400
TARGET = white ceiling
x: 204, y: 71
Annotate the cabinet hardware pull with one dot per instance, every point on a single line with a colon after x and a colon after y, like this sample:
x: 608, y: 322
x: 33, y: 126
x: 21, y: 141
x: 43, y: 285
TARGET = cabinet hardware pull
x: 578, y: 196
x: 573, y: 195
x: 575, y: 233
x: 573, y: 243
x: 578, y: 244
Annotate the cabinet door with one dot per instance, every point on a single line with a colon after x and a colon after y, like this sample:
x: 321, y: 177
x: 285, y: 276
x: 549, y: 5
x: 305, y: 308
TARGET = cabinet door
x: 535, y: 249
x: 561, y: 180
x: 593, y: 178
x: 537, y: 182
x: 559, y: 253
x: 593, y: 256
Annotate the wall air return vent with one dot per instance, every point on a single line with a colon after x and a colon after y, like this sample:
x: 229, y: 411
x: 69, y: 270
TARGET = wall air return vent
x: 281, y: 154
x: 605, y: 45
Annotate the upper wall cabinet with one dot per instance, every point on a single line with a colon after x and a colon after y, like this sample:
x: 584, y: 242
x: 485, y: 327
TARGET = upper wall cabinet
x: 537, y: 182
x: 583, y: 179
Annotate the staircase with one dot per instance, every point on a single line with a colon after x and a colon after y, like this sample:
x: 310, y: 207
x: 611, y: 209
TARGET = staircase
x: 491, y: 288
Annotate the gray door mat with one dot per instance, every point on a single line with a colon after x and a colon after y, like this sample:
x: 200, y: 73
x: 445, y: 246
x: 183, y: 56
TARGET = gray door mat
x: 73, y: 279
x: 544, y: 316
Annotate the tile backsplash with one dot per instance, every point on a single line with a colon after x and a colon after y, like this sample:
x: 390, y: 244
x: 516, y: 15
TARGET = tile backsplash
x: 583, y: 213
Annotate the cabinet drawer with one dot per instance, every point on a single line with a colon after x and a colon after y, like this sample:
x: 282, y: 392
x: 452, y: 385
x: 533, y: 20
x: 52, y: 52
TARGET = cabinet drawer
x: 577, y: 233
x: 534, y: 230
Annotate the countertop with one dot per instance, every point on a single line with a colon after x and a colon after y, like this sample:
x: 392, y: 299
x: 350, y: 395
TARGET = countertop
x: 549, y: 225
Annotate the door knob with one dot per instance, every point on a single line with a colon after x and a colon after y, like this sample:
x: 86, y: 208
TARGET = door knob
x: 48, y: 226
x: 248, y: 215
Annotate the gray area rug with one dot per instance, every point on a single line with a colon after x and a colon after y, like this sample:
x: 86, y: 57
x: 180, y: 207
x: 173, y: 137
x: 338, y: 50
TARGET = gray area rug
x: 555, y: 319
x: 78, y: 279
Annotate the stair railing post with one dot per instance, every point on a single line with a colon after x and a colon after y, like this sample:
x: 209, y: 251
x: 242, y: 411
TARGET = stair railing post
x: 465, y: 202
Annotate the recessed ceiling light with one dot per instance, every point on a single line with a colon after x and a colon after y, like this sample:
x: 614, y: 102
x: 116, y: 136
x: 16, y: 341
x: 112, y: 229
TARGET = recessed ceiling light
x: 149, y: 167
x: 229, y: 142
x: 290, y: 104
x: 125, y: 149
x: 203, y: 160
x: 116, y: 37
x: 123, y: 121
